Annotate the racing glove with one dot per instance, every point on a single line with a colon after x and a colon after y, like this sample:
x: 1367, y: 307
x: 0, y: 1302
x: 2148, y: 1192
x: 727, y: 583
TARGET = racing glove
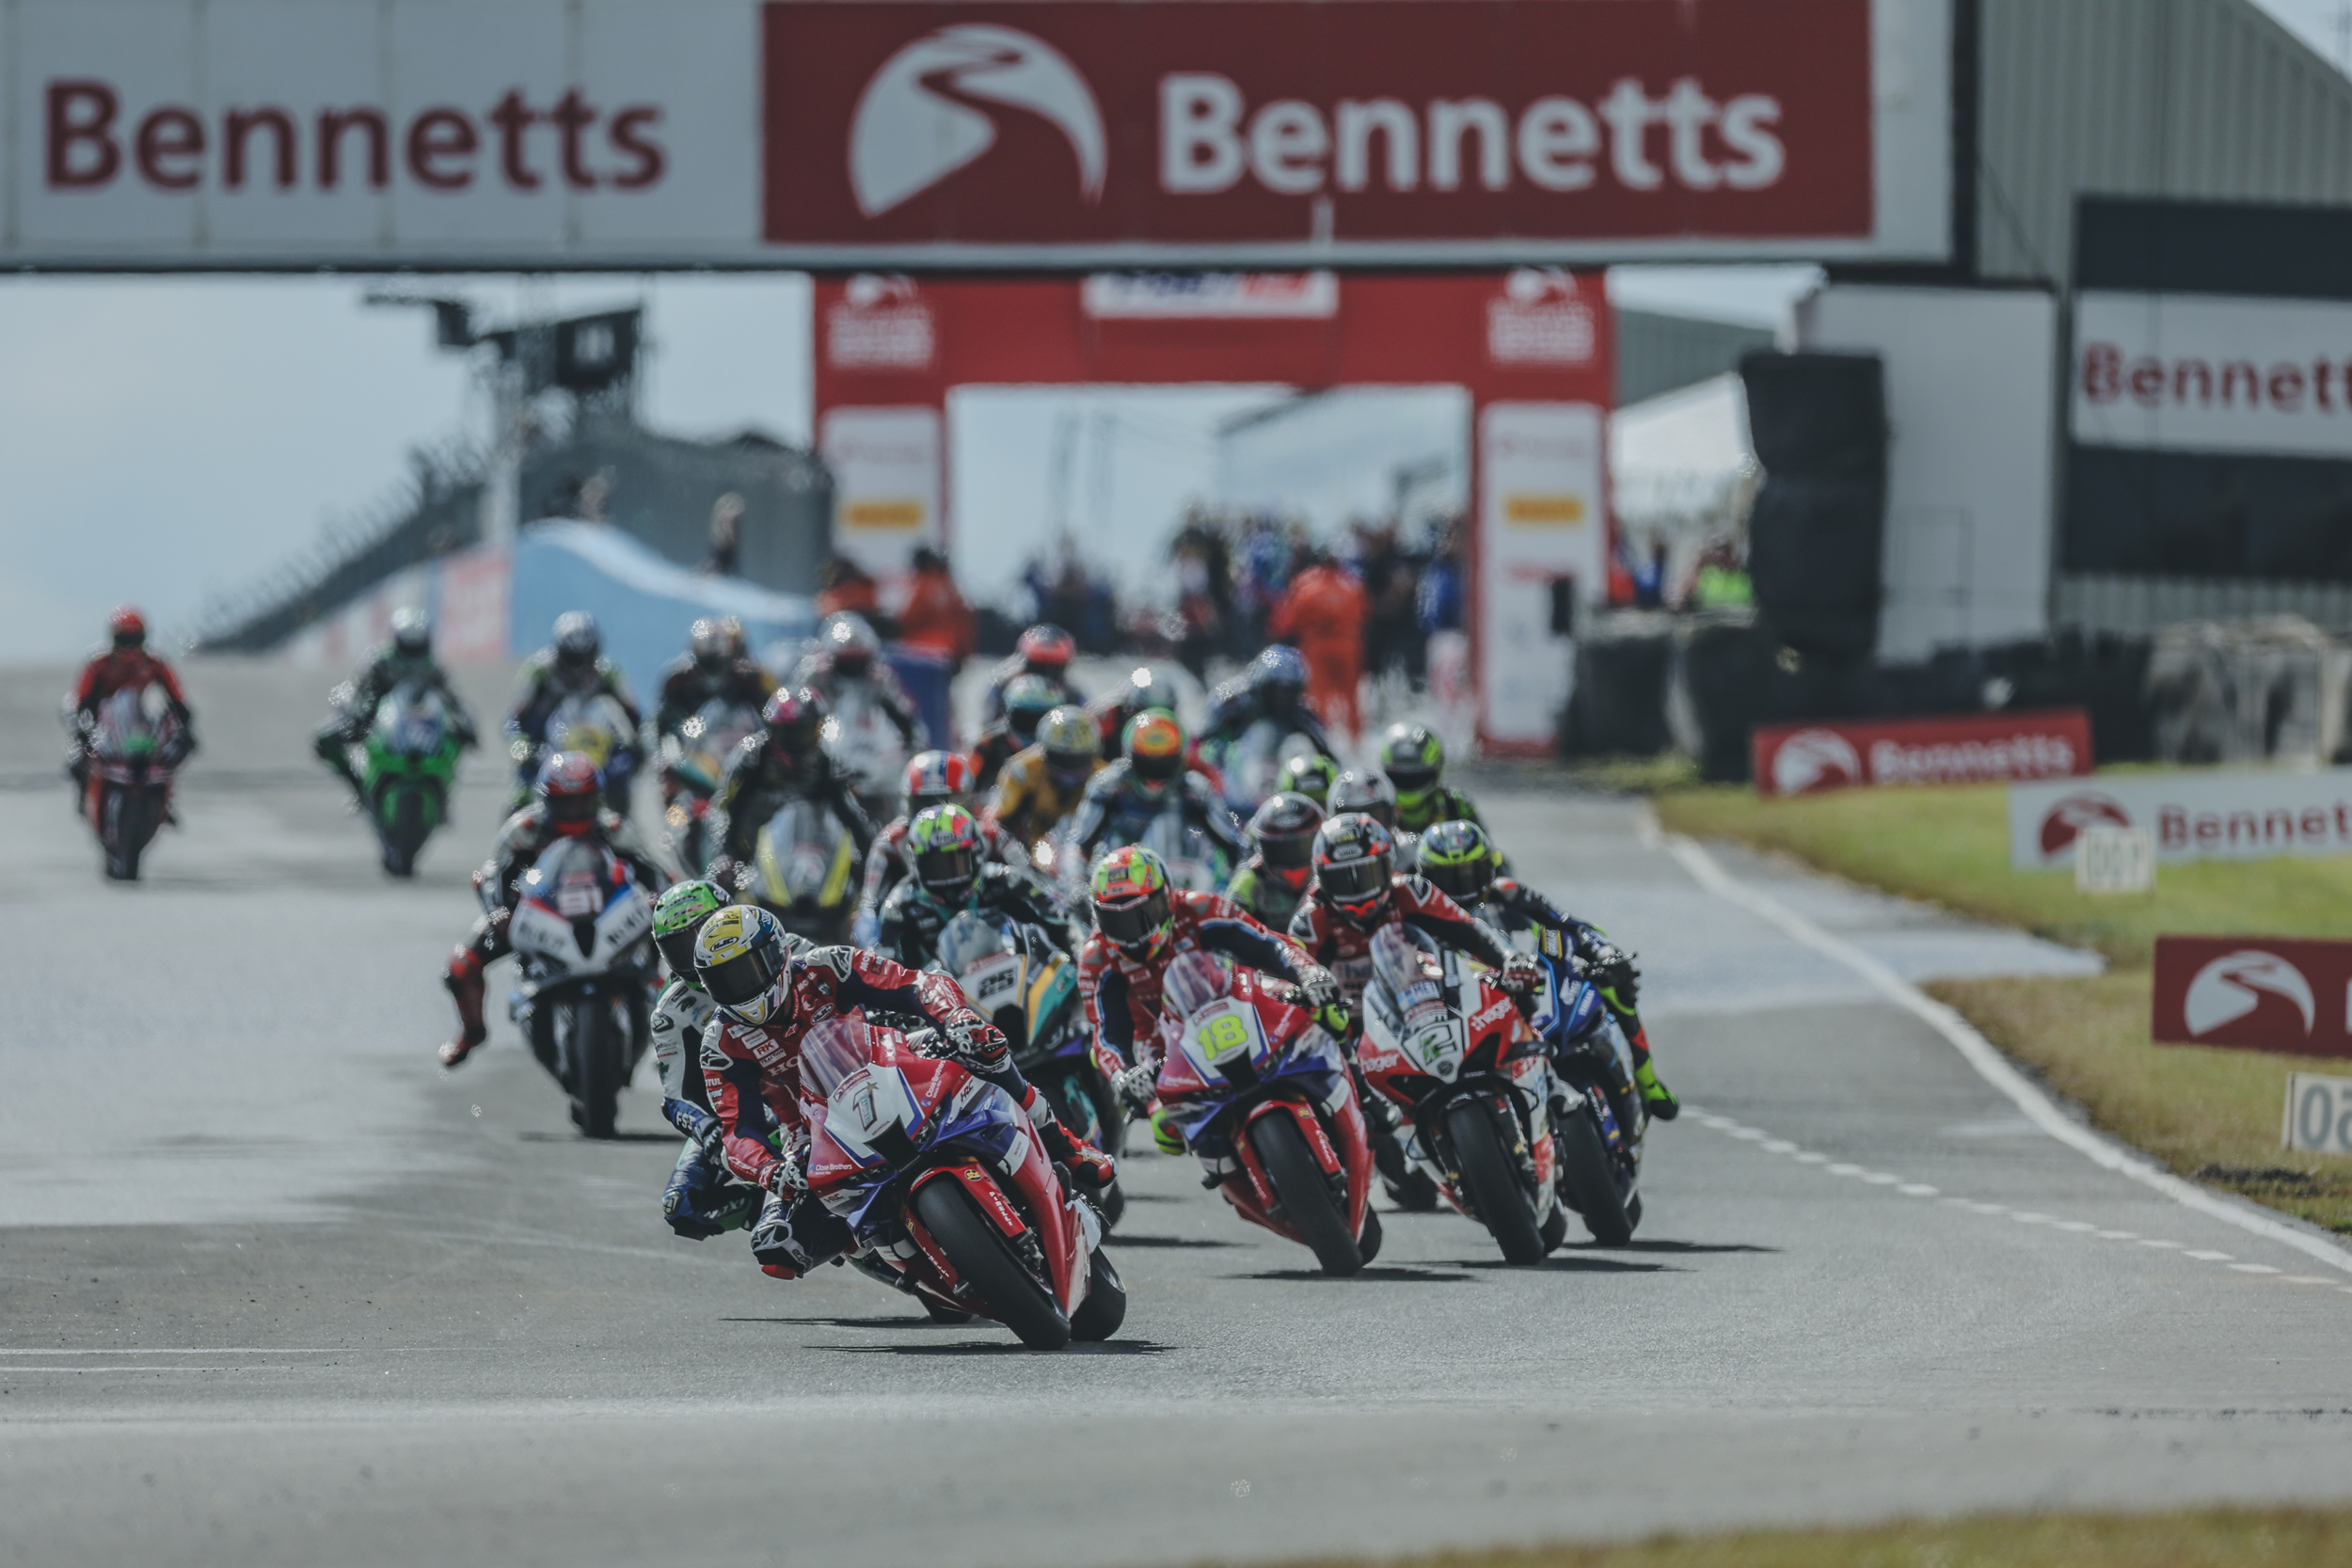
x: 784, y: 1180
x: 1610, y: 968
x: 1520, y: 973
x: 975, y: 1043
x: 1318, y: 988
x: 1136, y: 1085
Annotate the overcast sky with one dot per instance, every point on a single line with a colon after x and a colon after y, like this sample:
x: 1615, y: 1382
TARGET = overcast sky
x: 162, y: 440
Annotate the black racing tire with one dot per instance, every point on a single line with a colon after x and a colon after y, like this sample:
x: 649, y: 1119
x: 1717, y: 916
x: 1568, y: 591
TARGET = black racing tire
x: 981, y: 1256
x: 543, y: 1014
x: 1305, y: 1193
x: 130, y: 815
x: 405, y: 835
x: 1099, y: 1316
x: 1491, y: 1181
x: 1591, y: 1178
x: 1368, y: 1244
x: 939, y: 1314
x: 598, y: 1047
x: 1555, y: 1229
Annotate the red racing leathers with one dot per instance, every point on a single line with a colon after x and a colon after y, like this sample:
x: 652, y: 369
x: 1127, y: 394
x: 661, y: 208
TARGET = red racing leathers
x: 110, y: 672
x: 1345, y: 949
x: 887, y: 865
x: 1122, y: 994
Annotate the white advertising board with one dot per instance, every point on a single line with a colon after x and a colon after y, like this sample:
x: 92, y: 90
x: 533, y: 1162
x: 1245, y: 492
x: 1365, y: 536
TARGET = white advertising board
x: 1540, y: 519
x: 885, y: 466
x: 2212, y: 373
x: 2192, y: 817
x: 2319, y: 1114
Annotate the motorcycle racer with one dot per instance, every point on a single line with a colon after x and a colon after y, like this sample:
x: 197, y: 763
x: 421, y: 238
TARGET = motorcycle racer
x: 572, y: 665
x: 1273, y: 688
x: 569, y: 805
x: 1414, y: 760
x: 1366, y: 790
x: 784, y: 760
x: 407, y: 657
x: 1044, y: 651
x: 702, y: 1198
x: 768, y: 996
x: 1311, y: 774
x: 1028, y: 701
x: 1121, y: 800
x: 847, y: 658
x: 932, y: 779
x: 1116, y: 709
x: 1457, y: 859
x: 1274, y: 878
x: 715, y: 666
x: 124, y: 663
x: 952, y: 874
x: 1041, y: 786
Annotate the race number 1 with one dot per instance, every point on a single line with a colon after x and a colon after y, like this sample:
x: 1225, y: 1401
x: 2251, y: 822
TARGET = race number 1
x: 2319, y: 1114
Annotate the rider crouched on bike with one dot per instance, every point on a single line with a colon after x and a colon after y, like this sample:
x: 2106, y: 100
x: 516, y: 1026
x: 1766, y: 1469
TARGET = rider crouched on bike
x: 716, y: 667
x: 1028, y: 701
x: 1141, y: 924
x: 572, y: 665
x: 848, y: 660
x: 932, y: 779
x: 570, y: 803
x: 1044, y: 651
x: 406, y: 657
x: 786, y: 760
x: 702, y: 1198
x: 952, y: 874
x: 1457, y: 858
x: 768, y: 996
x: 1273, y: 880
x: 1153, y: 778
x: 124, y: 663
x: 1041, y: 786
x: 1273, y: 688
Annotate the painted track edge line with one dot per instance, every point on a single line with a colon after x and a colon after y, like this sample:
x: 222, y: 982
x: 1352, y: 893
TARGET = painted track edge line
x: 1981, y: 1054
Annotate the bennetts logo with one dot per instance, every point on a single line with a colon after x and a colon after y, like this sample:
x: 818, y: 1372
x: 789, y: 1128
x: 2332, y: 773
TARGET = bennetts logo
x: 917, y: 122
x: 1813, y: 759
x: 2064, y: 822
x: 2233, y: 985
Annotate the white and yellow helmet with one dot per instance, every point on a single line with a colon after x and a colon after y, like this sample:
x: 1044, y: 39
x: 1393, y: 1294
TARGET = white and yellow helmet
x: 745, y: 963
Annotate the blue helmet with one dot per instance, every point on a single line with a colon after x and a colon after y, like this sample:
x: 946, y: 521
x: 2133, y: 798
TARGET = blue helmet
x: 1279, y: 665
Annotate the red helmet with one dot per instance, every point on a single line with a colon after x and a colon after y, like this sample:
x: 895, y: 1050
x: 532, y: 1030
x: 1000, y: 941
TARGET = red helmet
x: 1046, y: 646
x: 126, y: 625
x: 1354, y: 855
x: 571, y: 789
x: 938, y: 779
x: 794, y: 716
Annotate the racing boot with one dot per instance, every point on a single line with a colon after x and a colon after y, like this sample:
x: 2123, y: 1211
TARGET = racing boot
x: 1089, y: 1166
x: 796, y: 1233
x: 700, y: 1202
x: 464, y: 980
x: 1659, y: 1099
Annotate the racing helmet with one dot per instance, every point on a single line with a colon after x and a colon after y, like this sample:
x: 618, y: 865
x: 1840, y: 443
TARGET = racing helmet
x: 1353, y: 856
x: 127, y: 627
x: 571, y: 789
x: 937, y: 778
x: 707, y: 644
x: 1046, y: 647
x: 412, y: 633
x: 1072, y: 746
x: 1279, y: 676
x: 1414, y: 760
x: 577, y: 640
x: 745, y: 963
x: 851, y: 641
x: 944, y: 843
x: 678, y: 916
x: 1458, y: 860
x: 1027, y: 700
x: 1155, y: 744
x: 793, y: 718
x: 1366, y: 790
x: 1311, y: 774
x: 1129, y: 893
x: 1283, y: 829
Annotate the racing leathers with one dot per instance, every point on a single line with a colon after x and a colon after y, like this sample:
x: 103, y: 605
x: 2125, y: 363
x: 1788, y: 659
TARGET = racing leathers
x: 999, y: 744
x: 1237, y: 703
x: 876, y: 681
x: 759, y: 782
x: 542, y: 686
x: 1429, y: 807
x: 521, y: 841
x: 1028, y: 801
x: 102, y: 677
x: 1010, y: 669
x: 1262, y: 890
x: 1513, y: 906
x: 387, y: 669
x: 702, y: 1198
x: 752, y: 1073
x: 688, y: 684
x: 1122, y: 993
x: 888, y: 866
x: 1119, y: 808
x: 914, y: 917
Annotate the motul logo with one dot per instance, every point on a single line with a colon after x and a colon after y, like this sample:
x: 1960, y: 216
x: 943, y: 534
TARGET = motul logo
x: 1211, y: 138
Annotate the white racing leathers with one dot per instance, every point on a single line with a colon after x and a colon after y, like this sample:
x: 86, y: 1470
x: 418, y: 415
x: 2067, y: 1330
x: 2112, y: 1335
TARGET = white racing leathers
x: 702, y: 1198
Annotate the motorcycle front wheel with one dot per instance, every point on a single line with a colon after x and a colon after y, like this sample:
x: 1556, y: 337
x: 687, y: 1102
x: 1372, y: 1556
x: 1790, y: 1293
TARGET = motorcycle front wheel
x: 1305, y: 1193
x: 985, y: 1261
x: 130, y: 818
x: 404, y: 835
x: 1591, y: 1178
x: 597, y: 1060
x: 1492, y: 1182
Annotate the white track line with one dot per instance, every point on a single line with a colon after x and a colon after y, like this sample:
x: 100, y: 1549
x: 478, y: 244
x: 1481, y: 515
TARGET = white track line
x: 1981, y: 1055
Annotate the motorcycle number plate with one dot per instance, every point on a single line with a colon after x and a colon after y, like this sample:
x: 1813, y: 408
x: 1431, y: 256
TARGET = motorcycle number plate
x: 1223, y: 1035
x: 574, y: 899
x: 1438, y: 1047
x: 993, y: 982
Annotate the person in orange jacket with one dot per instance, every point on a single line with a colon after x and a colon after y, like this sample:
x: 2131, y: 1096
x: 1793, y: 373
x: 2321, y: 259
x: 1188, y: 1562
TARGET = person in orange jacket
x: 936, y: 619
x: 1323, y: 612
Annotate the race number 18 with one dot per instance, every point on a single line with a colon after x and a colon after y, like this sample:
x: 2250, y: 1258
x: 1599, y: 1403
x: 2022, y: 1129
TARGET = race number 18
x: 2319, y: 1114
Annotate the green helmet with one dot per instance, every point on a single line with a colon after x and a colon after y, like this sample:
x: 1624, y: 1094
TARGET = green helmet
x: 1028, y: 701
x: 1414, y: 760
x: 1311, y: 774
x: 677, y: 919
x: 1458, y: 860
x: 943, y: 845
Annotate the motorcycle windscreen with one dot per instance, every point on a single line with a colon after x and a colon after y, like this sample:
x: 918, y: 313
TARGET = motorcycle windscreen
x: 570, y: 879
x: 833, y: 1050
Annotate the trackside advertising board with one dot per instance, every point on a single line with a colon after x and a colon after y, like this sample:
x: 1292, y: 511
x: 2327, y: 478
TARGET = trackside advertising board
x: 1081, y: 134
x: 2192, y: 816
x: 2259, y: 993
x: 1795, y: 759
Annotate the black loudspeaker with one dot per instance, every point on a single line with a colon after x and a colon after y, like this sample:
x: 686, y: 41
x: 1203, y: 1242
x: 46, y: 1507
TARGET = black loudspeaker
x: 1819, y: 423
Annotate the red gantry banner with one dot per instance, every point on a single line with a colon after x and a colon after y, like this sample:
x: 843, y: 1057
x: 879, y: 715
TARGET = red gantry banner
x: 1265, y: 130
x: 2259, y: 993
x: 1792, y: 759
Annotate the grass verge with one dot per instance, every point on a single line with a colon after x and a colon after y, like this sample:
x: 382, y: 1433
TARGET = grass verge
x: 2208, y: 1113
x: 2200, y: 1538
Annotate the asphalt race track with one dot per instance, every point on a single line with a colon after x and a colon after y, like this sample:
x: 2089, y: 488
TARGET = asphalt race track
x: 275, y: 1290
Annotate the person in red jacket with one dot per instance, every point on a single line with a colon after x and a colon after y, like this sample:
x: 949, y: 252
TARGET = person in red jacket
x: 1323, y: 612
x: 124, y: 664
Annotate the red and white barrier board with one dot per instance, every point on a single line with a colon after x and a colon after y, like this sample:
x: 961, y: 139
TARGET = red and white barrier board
x: 2259, y: 993
x: 1980, y: 747
x: 2192, y: 816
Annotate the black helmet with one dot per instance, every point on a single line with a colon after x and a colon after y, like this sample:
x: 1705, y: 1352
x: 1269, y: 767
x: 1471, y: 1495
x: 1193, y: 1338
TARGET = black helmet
x: 1367, y: 790
x: 1354, y: 860
x: 577, y: 641
x: 1284, y: 832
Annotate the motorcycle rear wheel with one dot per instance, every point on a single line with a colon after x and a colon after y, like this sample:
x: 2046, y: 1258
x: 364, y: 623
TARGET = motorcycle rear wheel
x: 1305, y: 1193
x: 1590, y: 1177
x: 985, y: 1261
x: 1492, y: 1182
